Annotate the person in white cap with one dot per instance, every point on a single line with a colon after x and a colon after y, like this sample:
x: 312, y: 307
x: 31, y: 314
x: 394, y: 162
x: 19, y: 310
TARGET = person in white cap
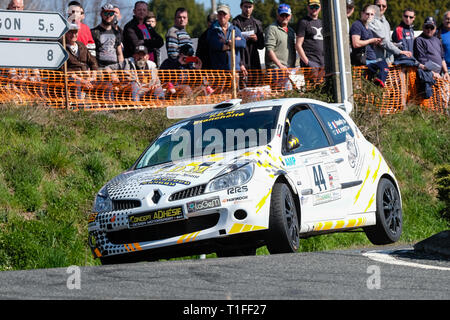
x: 219, y: 40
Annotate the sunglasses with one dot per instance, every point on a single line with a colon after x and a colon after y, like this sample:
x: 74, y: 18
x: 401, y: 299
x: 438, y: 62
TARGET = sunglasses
x: 429, y: 27
x: 314, y: 7
x: 381, y: 5
x: 406, y: 16
x: 108, y: 13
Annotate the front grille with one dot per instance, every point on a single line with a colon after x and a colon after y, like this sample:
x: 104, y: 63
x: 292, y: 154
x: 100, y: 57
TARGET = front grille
x: 188, y: 193
x: 125, y: 204
x: 164, y: 230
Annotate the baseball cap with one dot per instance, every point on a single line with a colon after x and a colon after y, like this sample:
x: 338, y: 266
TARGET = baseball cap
x: 350, y: 4
x: 284, y: 8
x: 108, y: 7
x: 224, y: 8
x: 430, y: 21
x: 314, y: 2
x: 249, y: 1
x: 141, y: 49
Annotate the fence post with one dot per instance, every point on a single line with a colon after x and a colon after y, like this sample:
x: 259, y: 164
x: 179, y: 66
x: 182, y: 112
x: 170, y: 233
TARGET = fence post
x: 66, y: 85
x: 233, y: 63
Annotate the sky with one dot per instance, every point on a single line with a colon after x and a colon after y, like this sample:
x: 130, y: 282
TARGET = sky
x: 234, y: 5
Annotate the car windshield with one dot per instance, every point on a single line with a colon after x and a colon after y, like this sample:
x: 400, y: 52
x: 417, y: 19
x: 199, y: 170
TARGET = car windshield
x: 212, y: 133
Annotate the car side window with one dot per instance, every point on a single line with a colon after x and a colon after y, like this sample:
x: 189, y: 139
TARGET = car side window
x: 335, y: 123
x: 305, y: 127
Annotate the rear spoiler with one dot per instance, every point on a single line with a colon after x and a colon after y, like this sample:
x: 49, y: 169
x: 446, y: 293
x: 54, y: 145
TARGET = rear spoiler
x: 183, y: 112
x: 347, y: 106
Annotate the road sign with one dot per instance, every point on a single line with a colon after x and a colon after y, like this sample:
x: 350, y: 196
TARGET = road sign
x: 32, y: 24
x: 32, y: 54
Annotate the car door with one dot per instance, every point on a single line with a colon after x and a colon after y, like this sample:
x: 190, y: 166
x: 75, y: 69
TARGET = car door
x: 345, y: 153
x: 311, y: 165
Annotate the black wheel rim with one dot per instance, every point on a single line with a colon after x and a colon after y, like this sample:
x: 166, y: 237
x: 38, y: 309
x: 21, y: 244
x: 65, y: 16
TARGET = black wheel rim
x: 392, y: 210
x: 291, y: 220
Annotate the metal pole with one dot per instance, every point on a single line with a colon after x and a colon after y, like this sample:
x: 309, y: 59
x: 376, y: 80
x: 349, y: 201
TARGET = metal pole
x: 233, y: 63
x: 66, y: 85
x: 213, y: 6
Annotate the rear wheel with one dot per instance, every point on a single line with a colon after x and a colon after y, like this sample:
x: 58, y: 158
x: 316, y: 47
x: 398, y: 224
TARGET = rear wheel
x: 283, y: 233
x: 389, y: 215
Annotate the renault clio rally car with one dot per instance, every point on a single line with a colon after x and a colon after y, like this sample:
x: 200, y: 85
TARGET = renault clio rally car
x: 243, y: 176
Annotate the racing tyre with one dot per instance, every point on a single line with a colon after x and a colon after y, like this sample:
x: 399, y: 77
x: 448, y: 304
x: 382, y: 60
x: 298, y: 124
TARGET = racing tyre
x: 283, y: 233
x: 389, y: 215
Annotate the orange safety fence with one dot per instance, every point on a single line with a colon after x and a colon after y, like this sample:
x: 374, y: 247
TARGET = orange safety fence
x: 131, y: 89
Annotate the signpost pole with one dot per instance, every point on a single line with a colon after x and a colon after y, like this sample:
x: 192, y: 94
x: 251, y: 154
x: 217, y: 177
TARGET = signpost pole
x: 66, y: 84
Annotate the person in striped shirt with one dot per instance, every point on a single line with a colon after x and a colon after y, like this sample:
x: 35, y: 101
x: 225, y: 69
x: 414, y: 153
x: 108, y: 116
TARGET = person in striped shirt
x: 177, y: 36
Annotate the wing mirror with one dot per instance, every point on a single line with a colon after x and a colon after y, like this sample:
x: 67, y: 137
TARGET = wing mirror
x: 292, y: 143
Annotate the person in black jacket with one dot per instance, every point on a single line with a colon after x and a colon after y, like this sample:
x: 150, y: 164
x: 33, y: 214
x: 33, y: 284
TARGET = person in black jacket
x: 137, y: 33
x: 253, y: 32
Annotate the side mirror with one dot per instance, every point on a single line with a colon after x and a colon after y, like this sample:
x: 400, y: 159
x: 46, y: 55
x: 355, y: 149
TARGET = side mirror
x: 292, y: 143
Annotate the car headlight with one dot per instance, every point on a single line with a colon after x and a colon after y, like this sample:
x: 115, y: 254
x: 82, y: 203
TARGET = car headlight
x: 102, y: 202
x: 234, y: 175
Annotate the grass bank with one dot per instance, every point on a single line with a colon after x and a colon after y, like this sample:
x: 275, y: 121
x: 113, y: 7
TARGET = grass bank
x: 52, y: 163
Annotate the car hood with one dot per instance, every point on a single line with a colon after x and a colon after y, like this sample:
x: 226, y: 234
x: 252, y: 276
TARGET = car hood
x: 174, y: 176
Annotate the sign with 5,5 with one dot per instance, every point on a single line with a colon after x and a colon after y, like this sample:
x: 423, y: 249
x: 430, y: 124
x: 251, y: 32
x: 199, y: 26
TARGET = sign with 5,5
x: 32, y: 24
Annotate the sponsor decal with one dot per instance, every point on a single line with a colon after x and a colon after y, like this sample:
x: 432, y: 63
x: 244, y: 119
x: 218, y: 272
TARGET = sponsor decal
x: 290, y: 161
x: 220, y: 116
x: 237, y: 190
x: 156, y: 216
x: 203, y: 204
x: 235, y: 199
x: 166, y: 182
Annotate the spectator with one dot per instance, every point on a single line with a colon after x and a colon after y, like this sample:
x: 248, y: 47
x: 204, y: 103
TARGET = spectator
x: 108, y: 45
x: 117, y: 18
x: 177, y: 35
x: 428, y: 50
x: 151, y: 19
x: 403, y: 37
x: 138, y: 62
x: 279, y: 41
x: 252, y: 31
x: 79, y: 59
x: 219, y: 41
x: 444, y: 34
x: 363, y: 42
x: 362, y: 39
x: 76, y: 15
x: 350, y: 8
x: 185, y: 60
x: 16, y: 5
x: 202, y: 45
x: 137, y: 33
x: 309, y: 43
x: 381, y: 29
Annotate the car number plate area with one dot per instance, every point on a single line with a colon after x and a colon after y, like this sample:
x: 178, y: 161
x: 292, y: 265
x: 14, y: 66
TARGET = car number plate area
x: 155, y: 217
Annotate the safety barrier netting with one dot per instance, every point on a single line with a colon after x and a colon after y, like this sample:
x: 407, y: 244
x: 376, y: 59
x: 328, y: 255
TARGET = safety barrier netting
x: 136, y: 89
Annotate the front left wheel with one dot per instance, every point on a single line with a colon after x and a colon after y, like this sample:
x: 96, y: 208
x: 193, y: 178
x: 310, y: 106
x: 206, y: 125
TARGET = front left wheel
x: 283, y: 233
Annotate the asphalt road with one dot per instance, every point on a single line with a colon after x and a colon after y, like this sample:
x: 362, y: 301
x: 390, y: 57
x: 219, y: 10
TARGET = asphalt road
x: 350, y: 274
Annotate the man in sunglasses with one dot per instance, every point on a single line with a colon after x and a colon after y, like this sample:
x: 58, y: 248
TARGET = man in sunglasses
x: 108, y: 44
x: 309, y: 44
x: 381, y: 28
x: 403, y: 35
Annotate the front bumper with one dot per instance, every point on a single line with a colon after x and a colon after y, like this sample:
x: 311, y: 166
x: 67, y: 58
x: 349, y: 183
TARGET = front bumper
x: 110, y: 233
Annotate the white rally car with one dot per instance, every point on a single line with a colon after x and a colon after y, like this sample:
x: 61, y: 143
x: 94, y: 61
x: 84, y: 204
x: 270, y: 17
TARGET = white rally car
x: 242, y: 176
